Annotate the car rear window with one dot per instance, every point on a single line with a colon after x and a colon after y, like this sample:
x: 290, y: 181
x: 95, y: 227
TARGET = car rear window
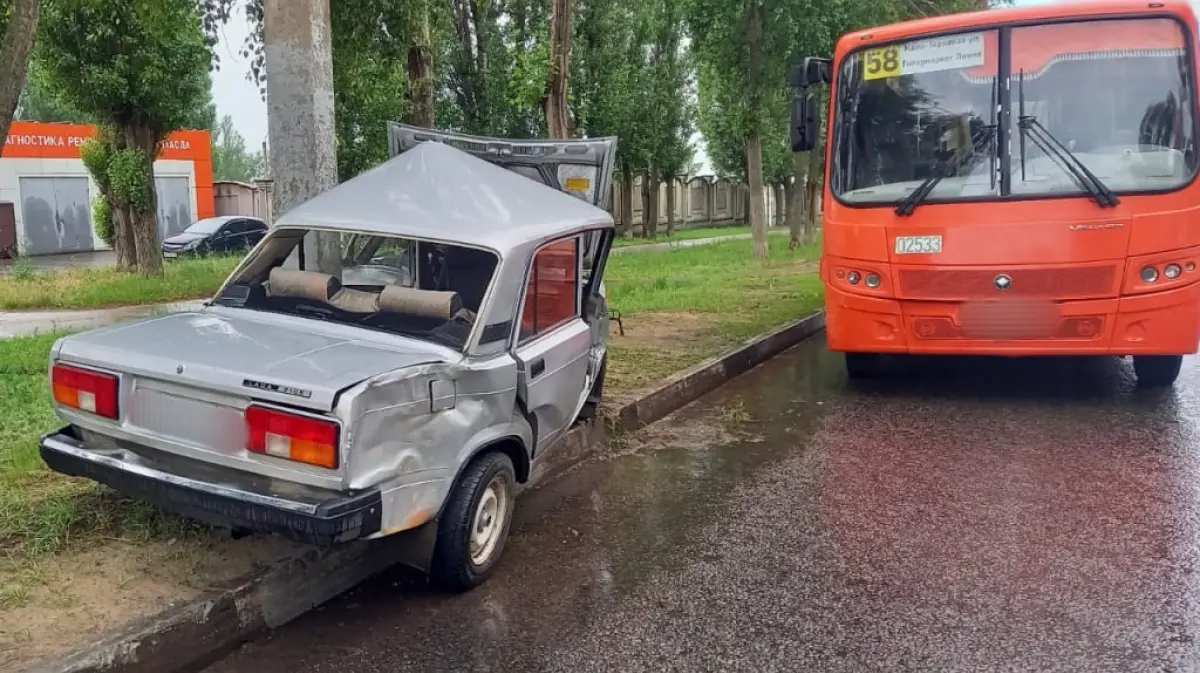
x: 420, y: 289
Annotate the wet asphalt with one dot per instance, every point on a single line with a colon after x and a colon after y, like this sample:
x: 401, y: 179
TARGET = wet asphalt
x: 977, y: 515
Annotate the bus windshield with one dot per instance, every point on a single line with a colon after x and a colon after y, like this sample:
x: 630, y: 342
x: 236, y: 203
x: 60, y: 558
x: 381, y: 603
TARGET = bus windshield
x: 1118, y: 94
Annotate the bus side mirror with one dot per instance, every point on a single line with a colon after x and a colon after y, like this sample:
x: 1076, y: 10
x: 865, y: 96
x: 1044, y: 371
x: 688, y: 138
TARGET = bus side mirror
x: 806, y: 123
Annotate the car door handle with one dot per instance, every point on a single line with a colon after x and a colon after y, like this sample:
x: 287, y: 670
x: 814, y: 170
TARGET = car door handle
x: 536, y: 368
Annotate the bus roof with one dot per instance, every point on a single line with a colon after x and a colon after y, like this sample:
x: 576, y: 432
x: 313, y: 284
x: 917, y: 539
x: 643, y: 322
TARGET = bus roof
x: 991, y: 17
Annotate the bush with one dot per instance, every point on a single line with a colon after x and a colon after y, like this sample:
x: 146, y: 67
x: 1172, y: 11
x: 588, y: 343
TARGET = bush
x: 102, y: 220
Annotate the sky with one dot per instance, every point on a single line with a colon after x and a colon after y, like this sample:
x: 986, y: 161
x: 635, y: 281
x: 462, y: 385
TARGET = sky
x: 236, y: 96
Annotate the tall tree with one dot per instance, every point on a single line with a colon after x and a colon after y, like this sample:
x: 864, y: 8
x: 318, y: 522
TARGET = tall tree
x: 41, y: 103
x: 231, y: 160
x: 738, y: 46
x: 558, y: 122
x: 18, y: 25
x: 141, y: 69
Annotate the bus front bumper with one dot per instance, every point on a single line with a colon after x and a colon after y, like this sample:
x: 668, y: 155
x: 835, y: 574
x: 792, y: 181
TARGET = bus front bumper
x: 1162, y: 323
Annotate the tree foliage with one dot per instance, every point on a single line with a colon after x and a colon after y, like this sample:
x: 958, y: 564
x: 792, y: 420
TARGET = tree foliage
x: 141, y: 69
x: 231, y: 160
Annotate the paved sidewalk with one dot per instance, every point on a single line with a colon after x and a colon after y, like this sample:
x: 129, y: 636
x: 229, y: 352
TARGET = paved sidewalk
x: 29, y: 323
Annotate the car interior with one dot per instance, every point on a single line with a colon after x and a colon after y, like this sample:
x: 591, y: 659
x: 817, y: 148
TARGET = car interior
x: 414, y: 288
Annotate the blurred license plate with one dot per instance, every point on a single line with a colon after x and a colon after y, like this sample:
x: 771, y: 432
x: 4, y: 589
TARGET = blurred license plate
x: 1007, y: 320
x: 170, y: 255
x: 918, y: 245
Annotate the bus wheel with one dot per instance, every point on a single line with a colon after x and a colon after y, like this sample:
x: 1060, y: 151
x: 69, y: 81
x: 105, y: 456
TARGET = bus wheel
x: 1157, y: 371
x: 864, y: 365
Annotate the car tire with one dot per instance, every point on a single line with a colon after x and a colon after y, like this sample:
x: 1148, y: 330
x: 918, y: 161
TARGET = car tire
x: 1157, y: 371
x: 592, y: 406
x: 864, y: 365
x: 474, y: 524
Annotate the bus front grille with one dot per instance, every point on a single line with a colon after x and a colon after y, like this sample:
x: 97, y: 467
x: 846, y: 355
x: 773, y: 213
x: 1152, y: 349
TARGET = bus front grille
x: 1074, y: 282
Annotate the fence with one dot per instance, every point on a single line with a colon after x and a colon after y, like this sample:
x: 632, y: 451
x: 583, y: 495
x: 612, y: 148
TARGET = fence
x: 699, y: 201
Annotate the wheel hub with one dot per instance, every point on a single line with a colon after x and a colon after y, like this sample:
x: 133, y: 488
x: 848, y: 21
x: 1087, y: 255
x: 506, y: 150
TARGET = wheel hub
x: 488, y: 525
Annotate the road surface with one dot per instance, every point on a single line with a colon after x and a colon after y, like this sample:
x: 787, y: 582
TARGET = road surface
x: 970, y: 516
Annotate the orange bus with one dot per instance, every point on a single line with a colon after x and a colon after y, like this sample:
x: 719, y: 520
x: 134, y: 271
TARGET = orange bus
x: 1012, y: 182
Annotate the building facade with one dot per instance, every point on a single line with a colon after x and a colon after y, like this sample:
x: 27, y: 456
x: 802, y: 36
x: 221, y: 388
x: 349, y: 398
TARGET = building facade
x: 46, y: 192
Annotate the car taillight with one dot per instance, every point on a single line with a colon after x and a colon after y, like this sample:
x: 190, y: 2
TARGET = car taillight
x: 300, y: 438
x: 84, y: 389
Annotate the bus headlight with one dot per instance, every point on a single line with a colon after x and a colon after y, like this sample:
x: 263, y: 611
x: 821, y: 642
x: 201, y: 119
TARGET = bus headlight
x: 1172, y: 271
x: 1149, y: 274
x: 872, y: 280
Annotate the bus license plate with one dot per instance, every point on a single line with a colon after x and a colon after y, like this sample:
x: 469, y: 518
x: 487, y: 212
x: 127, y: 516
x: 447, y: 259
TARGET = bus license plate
x: 918, y: 245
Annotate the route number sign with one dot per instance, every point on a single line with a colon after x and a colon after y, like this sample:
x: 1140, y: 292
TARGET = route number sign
x: 917, y: 56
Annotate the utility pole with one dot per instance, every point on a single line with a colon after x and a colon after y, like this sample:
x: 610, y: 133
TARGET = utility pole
x: 300, y: 130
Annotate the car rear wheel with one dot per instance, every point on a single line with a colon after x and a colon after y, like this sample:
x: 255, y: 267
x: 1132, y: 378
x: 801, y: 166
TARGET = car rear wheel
x: 864, y: 365
x: 1157, y: 371
x: 474, y: 525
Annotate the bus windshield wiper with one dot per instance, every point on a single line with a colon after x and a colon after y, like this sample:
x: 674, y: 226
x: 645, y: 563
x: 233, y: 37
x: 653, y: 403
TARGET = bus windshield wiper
x: 985, y: 135
x: 1032, y: 129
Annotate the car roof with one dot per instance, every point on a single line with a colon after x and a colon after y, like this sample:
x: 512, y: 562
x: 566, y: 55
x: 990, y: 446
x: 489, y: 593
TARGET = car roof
x: 438, y: 192
x: 1016, y: 14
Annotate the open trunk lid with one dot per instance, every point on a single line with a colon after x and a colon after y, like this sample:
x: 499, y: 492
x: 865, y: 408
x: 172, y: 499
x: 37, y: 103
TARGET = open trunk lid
x: 581, y: 167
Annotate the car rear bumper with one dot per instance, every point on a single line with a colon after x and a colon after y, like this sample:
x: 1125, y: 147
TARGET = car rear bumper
x: 217, y: 496
x: 1161, y: 323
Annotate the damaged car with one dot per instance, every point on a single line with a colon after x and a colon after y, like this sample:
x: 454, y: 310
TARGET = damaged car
x: 398, y: 353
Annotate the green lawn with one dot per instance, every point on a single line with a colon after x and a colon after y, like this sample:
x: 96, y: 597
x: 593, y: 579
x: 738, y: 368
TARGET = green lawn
x: 682, y: 235
x: 717, y: 293
x: 88, y: 288
x: 27, y: 289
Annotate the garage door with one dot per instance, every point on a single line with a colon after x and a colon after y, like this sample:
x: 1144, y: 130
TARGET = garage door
x: 56, y: 215
x: 174, y: 205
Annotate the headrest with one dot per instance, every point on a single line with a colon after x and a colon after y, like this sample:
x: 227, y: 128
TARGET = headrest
x: 424, y: 303
x: 303, y: 284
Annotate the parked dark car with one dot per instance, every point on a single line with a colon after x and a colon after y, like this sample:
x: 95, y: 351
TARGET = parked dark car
x: 216, y: 235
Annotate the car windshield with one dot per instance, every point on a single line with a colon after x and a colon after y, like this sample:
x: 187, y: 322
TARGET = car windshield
x: 1117, y: 93
x: 206, y: 226
x: 424, y: 290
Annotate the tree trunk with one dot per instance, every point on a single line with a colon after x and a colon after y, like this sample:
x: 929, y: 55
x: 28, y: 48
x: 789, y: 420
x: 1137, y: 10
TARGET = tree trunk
x: 645, y: 189
x: 758, y: 224
x: 794, y: 195
x: 780, y: 199
x: 123, y: 237
x: 626, y: 200
x: 14, y: 58
x: 812, y: 190
x: 143, y: 218
x: 754, y: 158
x: 558, y: 124
x: 420, y: 70
x: 654, y: 201
x: 671, y: 207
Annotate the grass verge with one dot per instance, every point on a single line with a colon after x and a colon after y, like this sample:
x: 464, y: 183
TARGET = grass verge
x: 683, y: 235
x: 103, y: 287
x: 682, y: 306
x: 678, y: 307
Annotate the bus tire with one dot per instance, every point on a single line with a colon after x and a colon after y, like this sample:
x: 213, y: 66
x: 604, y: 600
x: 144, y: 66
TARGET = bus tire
x: 1157, y: 371
x: 864, y: 365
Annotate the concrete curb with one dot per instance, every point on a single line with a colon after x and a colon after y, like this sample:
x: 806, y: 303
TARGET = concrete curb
x: 184, y: 637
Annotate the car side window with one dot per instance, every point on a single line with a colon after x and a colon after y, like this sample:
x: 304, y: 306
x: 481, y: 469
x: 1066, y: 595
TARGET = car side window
x: 552, y: 293
x: 236, y: 227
